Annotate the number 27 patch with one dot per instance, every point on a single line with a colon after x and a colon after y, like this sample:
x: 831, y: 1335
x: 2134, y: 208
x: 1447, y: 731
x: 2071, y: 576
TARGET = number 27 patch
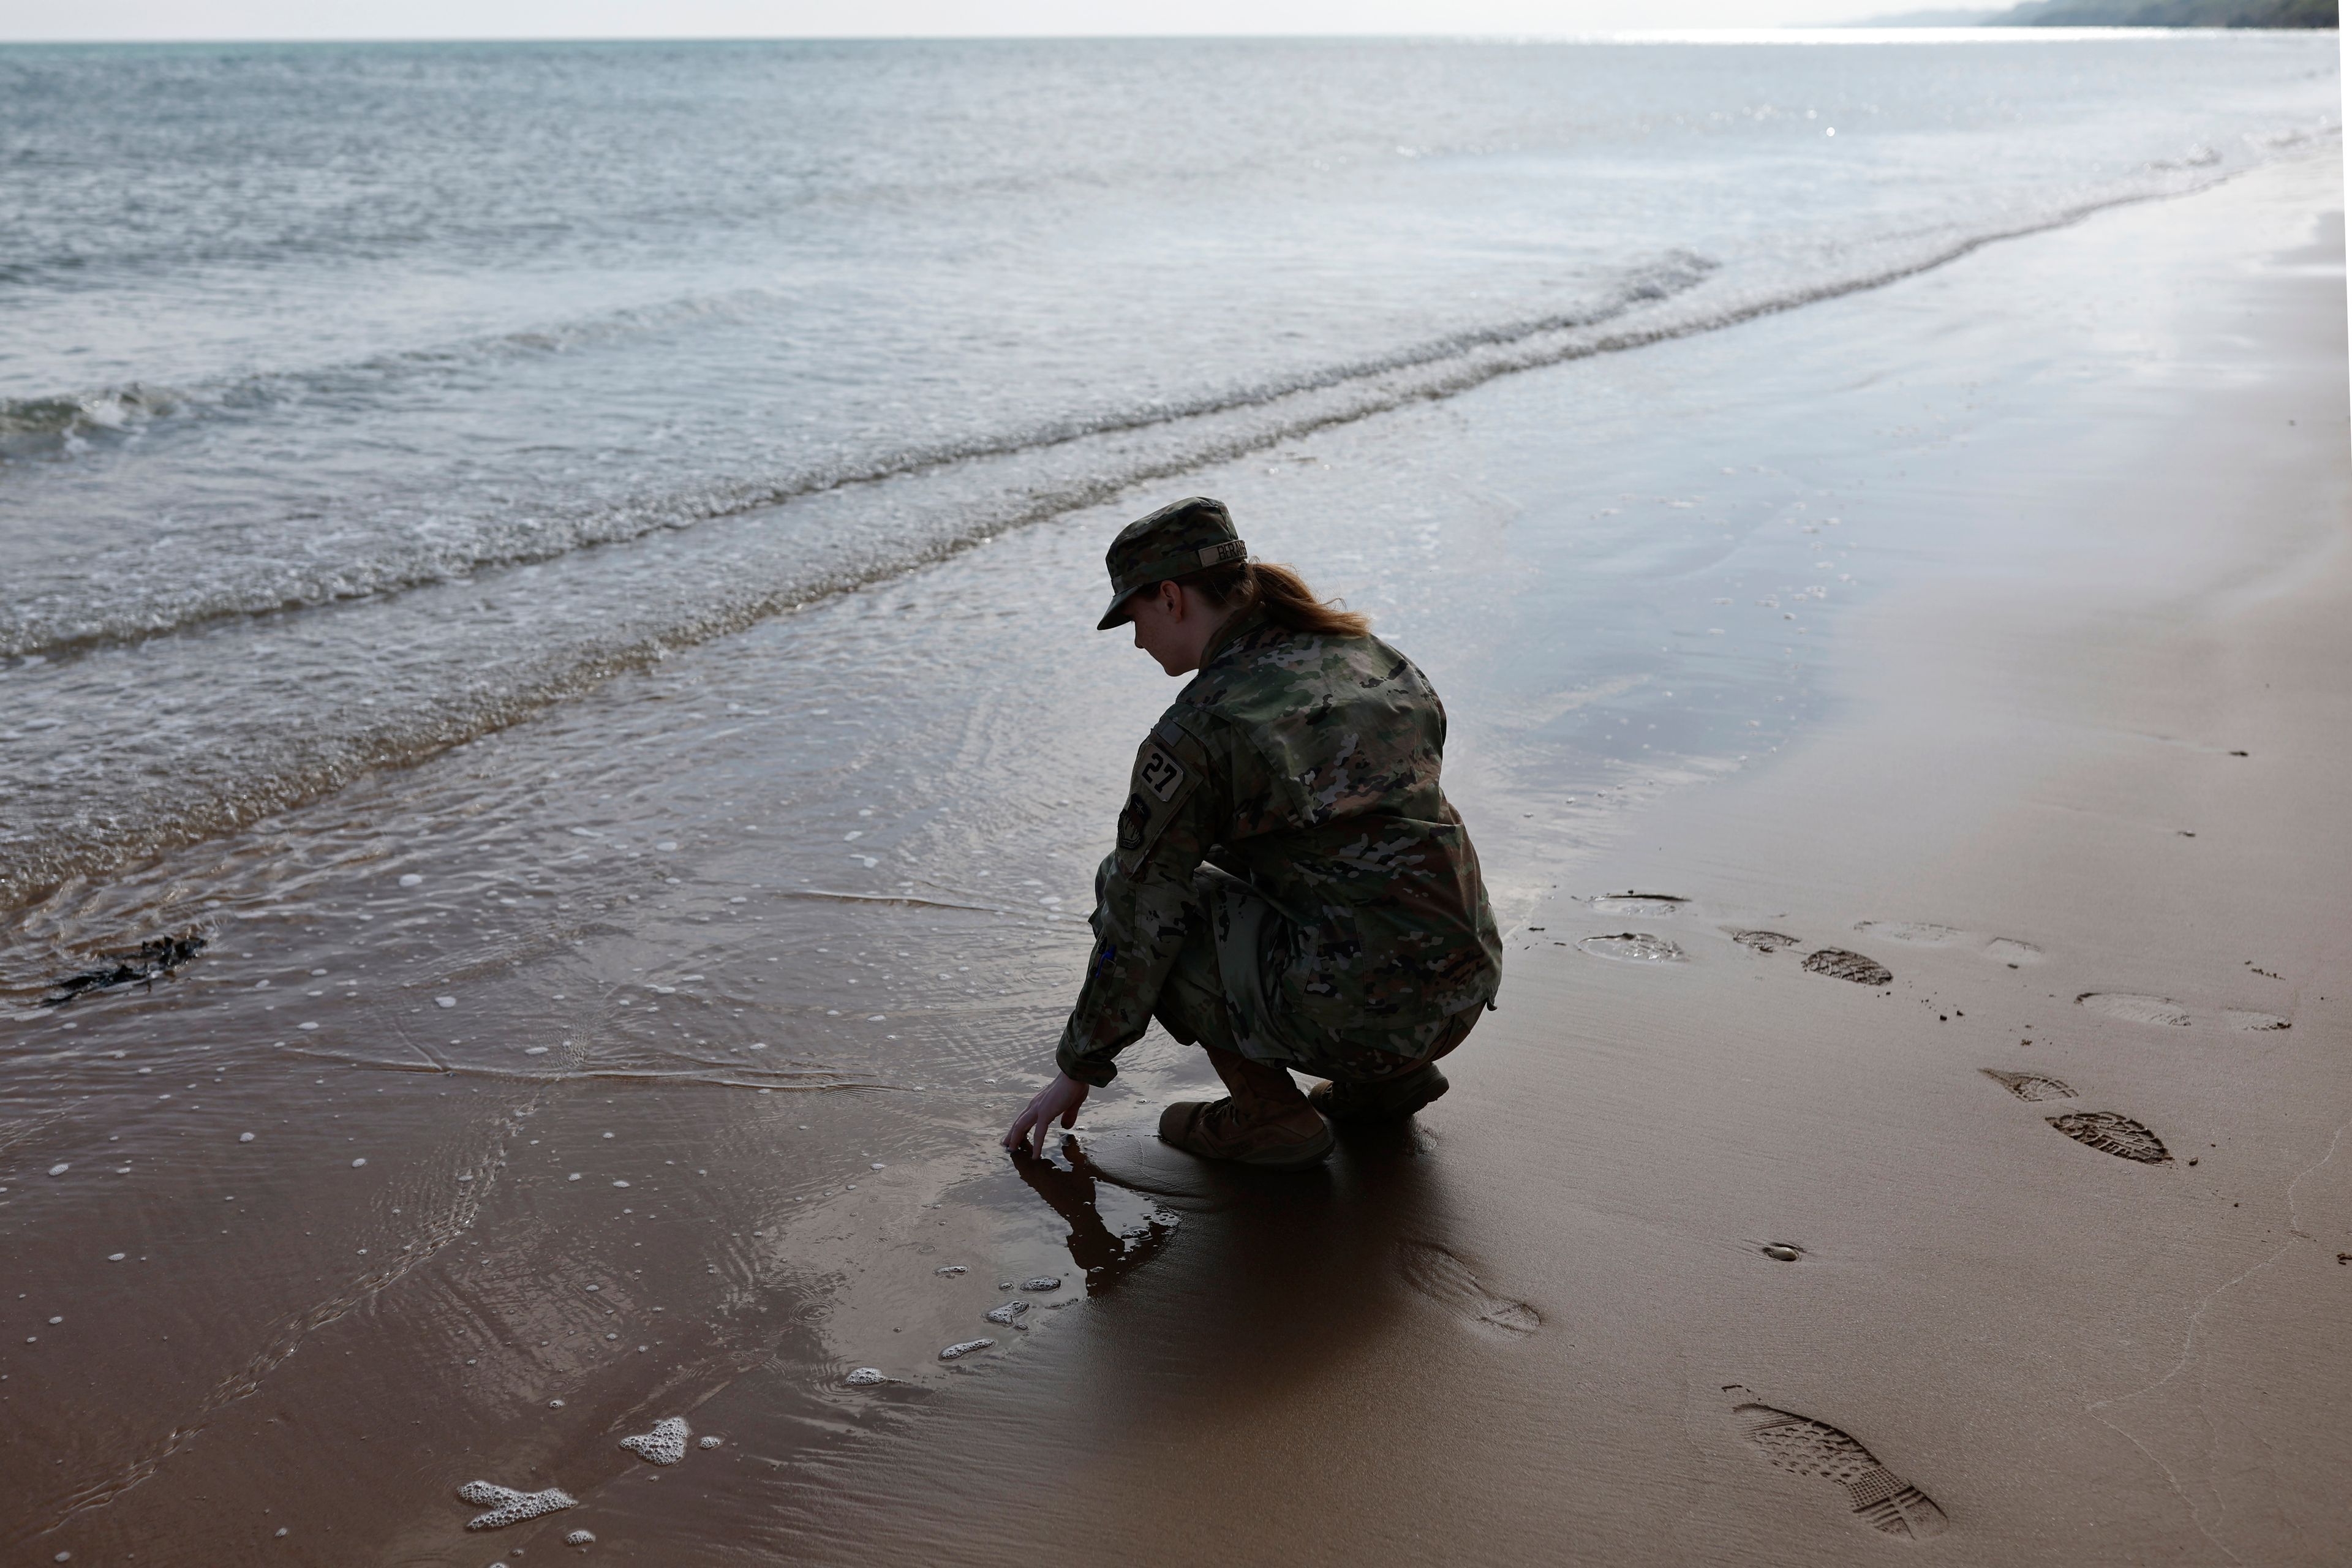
x: 1159, y: 772
x: 1159, y: 779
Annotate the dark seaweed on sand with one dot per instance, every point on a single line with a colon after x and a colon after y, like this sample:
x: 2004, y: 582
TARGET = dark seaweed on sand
x: 150, y: 963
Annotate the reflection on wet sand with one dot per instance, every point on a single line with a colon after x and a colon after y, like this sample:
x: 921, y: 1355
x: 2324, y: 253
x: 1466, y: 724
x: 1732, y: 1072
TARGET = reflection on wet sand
x: 1104, y: 1257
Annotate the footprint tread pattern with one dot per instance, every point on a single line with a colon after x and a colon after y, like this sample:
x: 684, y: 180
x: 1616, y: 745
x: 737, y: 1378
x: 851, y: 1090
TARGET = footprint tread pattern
x: 2134, y: 1008
x: 1446, y: 1281
x: 2030, y: 1085
x: 2111, y: 1133
x: 1804, y: 1446
x: 1632, y: 947
x: 1839, y: 963
x: 1763, y: 940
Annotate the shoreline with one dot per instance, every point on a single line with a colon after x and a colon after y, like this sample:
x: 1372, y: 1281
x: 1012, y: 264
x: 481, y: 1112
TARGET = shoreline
x: 1506, y: 1337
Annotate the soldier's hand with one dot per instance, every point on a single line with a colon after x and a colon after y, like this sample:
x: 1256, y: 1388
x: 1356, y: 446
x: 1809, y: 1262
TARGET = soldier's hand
x: 1059, y: 1098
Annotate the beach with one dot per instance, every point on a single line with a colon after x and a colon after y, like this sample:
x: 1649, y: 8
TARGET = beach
x: 2073, y: 791
x: 638, y: 1048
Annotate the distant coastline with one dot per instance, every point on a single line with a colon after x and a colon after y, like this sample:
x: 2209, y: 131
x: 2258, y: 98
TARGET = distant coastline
x: 2121, y: 14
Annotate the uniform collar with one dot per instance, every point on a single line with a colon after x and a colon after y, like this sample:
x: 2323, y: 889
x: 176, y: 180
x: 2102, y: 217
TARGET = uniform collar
x: 1233, y: 631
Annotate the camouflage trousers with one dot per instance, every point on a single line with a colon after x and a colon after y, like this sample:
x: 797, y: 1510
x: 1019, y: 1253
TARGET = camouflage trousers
x: 1215, y: 994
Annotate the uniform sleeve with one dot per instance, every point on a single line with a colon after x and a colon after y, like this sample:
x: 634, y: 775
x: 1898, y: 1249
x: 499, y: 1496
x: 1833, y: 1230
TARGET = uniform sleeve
x: 1176, y: 801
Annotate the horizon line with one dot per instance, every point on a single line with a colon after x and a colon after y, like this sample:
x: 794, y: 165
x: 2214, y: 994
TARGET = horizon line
x: 1806, y: 32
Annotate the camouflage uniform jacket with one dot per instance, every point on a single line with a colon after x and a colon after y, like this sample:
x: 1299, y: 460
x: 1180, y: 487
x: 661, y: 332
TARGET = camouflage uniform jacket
x: 1306, y: 769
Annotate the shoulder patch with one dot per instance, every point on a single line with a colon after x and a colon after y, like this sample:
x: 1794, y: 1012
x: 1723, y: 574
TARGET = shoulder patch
x: 1159, y: 772
x: 1155, y: 795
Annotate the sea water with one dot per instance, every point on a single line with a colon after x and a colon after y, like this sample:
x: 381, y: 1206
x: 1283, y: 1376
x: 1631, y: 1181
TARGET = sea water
x: 358, y: 401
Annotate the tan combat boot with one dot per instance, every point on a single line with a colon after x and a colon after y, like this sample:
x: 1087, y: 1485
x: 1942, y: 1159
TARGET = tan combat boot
x: 1382, y: 1099
x: 1264, y: 1121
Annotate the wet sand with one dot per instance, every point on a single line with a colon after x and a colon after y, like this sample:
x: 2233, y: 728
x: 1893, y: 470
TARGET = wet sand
x: 1545, y: 1327
x: 1988, y: 577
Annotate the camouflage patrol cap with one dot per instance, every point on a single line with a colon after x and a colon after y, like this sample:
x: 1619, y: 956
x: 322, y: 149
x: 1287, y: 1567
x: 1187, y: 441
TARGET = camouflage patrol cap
x: 1179, y: 538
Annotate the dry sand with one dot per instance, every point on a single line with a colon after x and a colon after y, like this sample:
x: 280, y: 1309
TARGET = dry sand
x: 2093, y: 752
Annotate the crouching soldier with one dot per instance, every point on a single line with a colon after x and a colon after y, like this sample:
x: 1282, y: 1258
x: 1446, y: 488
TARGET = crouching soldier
x: 1291, y: 890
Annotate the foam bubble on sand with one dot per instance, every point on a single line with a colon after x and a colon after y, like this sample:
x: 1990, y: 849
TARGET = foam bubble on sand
x: 411, y: 879
x: 866, y: 1377
x: 665, y: 1444
x: 357, y: 1164
x: 245, y: 1137
x: 952, y: 1268
x: 2240, y: 1018
x: 534, y: 1050
x: 964, y: 1348
x: 445, y: 1001
x: 1043, y: 1283
x: 1632, y: 947
x: 708, y: 1442
x: 59, y: 1169
x: 509, y: 1506
x: 1007, y: 1312
x: 581, y: 1538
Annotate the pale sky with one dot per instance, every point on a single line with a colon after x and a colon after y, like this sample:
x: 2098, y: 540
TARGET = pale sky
x: 38, y: 20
